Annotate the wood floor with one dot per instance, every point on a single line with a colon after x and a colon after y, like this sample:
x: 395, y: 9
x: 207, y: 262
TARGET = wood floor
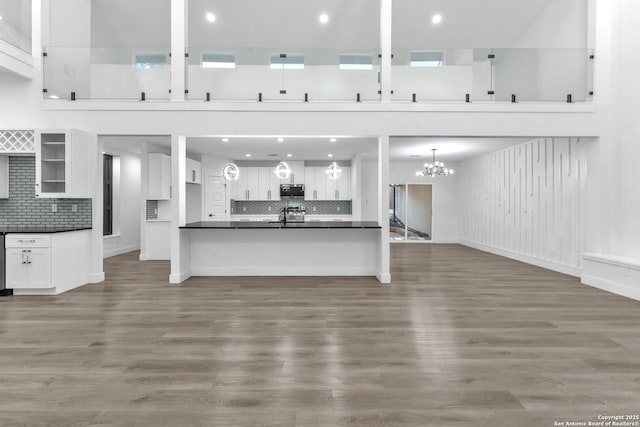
x: 461, y: 338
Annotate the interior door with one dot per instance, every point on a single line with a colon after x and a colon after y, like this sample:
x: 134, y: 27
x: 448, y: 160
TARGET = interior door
x: 216, y: 197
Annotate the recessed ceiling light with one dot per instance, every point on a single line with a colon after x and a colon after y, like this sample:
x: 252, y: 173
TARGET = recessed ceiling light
x: 0, y: 18
x: 324, y: 18
x: 210, y: 17
x: 280, y: 139
x: 332, y: 140
x: 225, y: 139
x: 436, y: 19
x: 330, y: 155
x: 247, y: 155
x: 289, y: 155
x: 54, y: 97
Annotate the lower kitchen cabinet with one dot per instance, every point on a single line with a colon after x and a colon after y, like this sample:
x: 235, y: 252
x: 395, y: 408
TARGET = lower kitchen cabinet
x: 28, y: 268
x: 47, y: 263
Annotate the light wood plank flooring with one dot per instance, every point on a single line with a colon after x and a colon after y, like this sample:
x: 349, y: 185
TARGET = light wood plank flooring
x: 461, y: 338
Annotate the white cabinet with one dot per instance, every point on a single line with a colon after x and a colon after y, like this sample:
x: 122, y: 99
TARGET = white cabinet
x: 340, y: 189
x: 297, y: 173
x: 247, y: 186
x: 62, y: 164
x: 318, y: 185
x: 28, y: 261
x: 269, y: 184
x: 194, y: 172
x: 159, y: 171
x: 4, y: 177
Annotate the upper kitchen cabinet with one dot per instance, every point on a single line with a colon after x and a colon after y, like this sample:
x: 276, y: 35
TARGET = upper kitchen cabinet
x: 297, y: 173
x: 194, y: 172
x: 340, y: 189
x: 4, y: 177
x: 247, y: 186
x: 269, y: 184
x: 159, y: 177
x: 62, y: 164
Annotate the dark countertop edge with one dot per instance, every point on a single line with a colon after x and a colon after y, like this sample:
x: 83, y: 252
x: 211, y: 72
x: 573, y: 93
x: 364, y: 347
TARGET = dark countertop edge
x: 42, y: 230
x: 251, y: 225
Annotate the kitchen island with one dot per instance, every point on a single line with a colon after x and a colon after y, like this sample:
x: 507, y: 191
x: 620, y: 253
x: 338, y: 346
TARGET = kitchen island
x: 264, y: 248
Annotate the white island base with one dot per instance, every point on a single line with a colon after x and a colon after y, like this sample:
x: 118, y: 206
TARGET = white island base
x: 279, y: 252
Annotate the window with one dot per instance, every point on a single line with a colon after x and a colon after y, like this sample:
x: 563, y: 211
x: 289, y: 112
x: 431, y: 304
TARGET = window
x: 356, y: 62
x: 107, y: 195
x: 148, y: 61
x: 287, y: 62
x: 427, y: 59
x: 218, y: 60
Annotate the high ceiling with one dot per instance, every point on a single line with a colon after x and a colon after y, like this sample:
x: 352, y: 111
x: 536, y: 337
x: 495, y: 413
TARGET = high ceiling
x: 448, y: 149
x: 352, y: 23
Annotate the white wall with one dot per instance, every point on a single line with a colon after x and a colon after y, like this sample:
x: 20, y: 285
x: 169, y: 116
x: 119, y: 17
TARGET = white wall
x: 528, y: 202
x: 446, y: 198
x: 369, y: 189
x: 126, y: 199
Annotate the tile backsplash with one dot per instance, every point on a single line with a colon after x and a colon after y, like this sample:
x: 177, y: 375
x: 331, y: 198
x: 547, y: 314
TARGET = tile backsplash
x: 152, y: 209
x: 22, y: 208
x: 260, y: 207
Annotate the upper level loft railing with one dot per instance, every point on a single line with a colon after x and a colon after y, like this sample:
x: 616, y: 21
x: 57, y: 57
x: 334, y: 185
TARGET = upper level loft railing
x: 15, y: 23
x: 321, y: 75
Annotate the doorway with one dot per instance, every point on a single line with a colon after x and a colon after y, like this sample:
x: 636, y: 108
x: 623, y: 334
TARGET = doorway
x: 216, y: 198
x: 410, y: 212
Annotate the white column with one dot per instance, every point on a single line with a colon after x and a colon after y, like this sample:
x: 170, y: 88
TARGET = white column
x: 180, y: 242
x: 178, y: 48
x: 144, y: 194
x: 385, y: 49
x: 96, y: 180
x: 384, y: 270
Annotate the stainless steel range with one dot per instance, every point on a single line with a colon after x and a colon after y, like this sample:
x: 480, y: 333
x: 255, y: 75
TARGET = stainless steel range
x: 292, y: 214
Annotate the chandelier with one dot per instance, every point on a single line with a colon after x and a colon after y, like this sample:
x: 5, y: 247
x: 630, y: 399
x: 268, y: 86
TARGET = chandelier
x: 333, y: 171
x: 282, y: 171
x: 231, y: 171
x: 435, y: 168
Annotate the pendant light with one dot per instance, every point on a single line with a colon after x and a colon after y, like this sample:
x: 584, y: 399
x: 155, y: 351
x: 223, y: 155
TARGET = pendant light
x: 231, y: 171
x: 435, y: 168
x: 333, y: 171
x: 282, y: 171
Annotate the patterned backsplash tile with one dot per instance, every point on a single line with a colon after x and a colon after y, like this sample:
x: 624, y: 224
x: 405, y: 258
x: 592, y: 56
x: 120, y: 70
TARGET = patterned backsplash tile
x: 152, y: 209
x: 312, y: 207
x: 22, y: 208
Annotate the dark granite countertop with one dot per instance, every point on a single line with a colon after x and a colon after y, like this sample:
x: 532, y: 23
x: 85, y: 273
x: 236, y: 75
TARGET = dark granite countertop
x: 35, y: 230
x: 240, y: 225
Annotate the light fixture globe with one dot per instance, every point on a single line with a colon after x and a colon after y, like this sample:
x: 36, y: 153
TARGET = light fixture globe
x: 231, y: 172
x: 333, y: 171
x: 283, y: 171
x: 435, y: 168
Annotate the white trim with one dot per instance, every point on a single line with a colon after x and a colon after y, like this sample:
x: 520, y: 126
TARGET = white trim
x: 549, y: 265
x: 49, y: 291
x: 16, y: 60
x: 143, y: 256
x: 179, y: 278
x: 283, y: 271
x: 111, y: 236
x: 120, y: 251
x: 617, y: 260
x: 346, y: 106
x: 383, y: 277
x: 96, y: 277
x: 609, y: 286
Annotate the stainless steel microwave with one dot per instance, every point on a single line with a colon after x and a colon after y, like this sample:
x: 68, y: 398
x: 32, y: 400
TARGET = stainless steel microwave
x: 291, y: 190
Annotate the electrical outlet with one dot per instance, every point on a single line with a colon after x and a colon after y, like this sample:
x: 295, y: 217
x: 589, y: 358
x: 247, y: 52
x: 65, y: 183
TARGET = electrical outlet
x: 338, y: 208
x: 155, y: 211
x: 74, y: 208
x: 244, y: 209
x: 54, y: 208
x: 314, y: 208
x: 269, y: 208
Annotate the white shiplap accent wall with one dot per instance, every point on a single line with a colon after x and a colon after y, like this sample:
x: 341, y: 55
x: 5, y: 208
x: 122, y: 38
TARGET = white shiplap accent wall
x: 528, y: 202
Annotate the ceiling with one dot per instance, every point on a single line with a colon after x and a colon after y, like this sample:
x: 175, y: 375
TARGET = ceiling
x: 448, y: 149
x: 352, y: 24
x: 414, y: 148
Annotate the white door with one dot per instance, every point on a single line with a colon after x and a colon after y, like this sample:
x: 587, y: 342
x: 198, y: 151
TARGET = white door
x: 39, y: 268
x: 216, y: 197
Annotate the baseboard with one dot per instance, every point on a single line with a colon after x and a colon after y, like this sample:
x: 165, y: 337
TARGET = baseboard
x: 549, y: 265
x: 50, y: 291
x: 179, y: 278
x: 613, y: 287
x: 282, y: 271
x: 383, y: 277
x: 143, y: 256
x: 120, y: 251
x: 96, y: 277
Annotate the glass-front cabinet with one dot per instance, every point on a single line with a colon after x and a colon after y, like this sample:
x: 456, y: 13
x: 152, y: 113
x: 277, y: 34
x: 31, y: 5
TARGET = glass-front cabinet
x: 62, y: 169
